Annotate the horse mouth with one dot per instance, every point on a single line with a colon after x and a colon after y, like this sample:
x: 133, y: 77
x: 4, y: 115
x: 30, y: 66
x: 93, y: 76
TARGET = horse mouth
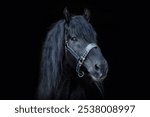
x: 98, y: 81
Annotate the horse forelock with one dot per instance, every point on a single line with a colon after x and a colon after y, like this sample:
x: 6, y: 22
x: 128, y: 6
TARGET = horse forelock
x: 82, y: 28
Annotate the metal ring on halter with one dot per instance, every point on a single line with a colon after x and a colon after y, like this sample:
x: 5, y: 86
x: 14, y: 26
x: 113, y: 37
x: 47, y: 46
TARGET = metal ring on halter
x: 81, y: 74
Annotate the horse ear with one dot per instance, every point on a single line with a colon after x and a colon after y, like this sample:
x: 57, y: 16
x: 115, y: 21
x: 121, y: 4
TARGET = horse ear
x: 87, y: 14
x: 67, y: 15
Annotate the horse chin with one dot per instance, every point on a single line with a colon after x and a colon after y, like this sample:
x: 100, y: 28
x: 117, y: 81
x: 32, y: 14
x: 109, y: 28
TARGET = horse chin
x: 98, y: 78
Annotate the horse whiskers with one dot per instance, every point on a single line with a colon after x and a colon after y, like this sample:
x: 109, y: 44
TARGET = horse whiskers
x: 100, y: 88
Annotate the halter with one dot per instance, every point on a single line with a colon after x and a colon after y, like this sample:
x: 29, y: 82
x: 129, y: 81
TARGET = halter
x: 80, y: 59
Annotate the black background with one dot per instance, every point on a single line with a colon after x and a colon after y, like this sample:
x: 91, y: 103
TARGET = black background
x: 120, y: 37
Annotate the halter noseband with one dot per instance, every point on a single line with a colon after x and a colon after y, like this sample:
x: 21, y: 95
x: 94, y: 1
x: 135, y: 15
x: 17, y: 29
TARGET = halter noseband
x: 80, y: 59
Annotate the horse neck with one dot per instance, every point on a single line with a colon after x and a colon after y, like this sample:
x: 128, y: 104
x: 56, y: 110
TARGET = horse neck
x: 68, y: 71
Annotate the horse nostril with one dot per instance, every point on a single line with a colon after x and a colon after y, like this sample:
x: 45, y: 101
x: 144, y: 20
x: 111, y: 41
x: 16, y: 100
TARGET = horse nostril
x: 97, y: 67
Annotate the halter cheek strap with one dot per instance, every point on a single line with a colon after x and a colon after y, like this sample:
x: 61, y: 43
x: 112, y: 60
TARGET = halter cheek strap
x: 80, y: 59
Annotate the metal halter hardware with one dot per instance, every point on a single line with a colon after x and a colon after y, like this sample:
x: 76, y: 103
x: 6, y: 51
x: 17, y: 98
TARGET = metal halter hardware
x: 80, y: 59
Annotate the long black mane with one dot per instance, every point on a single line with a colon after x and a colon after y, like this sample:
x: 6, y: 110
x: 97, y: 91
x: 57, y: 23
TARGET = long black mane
x: 57, y: 79
x: 51, y: 61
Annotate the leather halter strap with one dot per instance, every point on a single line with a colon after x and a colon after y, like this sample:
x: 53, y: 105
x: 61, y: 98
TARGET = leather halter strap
x: 80, y: 59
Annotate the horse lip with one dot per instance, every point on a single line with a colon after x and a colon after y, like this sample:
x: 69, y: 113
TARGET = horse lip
x: 101, y: 78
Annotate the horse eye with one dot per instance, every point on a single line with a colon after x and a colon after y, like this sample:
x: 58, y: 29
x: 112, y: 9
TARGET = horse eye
x: 74, y: 39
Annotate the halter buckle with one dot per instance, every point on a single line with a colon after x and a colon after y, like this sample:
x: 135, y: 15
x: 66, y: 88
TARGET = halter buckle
x: 81, y: 60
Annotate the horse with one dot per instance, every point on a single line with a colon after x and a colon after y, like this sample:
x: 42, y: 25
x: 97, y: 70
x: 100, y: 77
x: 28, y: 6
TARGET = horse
x: 72, y: 64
